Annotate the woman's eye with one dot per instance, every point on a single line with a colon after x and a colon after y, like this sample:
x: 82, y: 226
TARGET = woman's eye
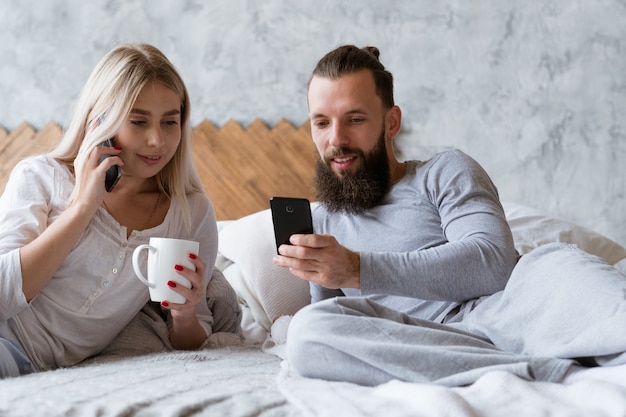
x: 138, y: 122
x: 170, y: 122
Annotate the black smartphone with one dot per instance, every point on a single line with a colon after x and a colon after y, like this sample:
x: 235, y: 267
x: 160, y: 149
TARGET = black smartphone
x: 290, y: 216
x: 114, y: 173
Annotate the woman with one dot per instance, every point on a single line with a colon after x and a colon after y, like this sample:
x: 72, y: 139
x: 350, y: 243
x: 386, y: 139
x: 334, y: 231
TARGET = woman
x: 67, y: 285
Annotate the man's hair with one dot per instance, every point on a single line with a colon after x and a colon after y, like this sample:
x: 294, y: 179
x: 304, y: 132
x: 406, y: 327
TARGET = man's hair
x: 349, y: 59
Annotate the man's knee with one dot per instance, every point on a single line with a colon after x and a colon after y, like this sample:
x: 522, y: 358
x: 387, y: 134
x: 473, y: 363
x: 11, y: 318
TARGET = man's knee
x: 309, y: 332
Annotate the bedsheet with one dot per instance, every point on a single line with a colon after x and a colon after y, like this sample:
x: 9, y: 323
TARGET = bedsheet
x: 496, y: 394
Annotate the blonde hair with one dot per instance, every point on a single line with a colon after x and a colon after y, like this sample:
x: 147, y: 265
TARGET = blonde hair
x: 107, y: 99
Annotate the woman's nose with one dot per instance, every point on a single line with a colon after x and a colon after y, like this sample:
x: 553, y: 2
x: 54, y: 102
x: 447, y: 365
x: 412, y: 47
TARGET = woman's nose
x: 155, y: 137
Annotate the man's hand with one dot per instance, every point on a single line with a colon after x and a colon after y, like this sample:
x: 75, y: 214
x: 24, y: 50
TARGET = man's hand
x: 322, y: 260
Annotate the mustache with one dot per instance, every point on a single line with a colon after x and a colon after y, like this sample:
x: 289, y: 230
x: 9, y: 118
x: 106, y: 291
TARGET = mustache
x: 341, y: 152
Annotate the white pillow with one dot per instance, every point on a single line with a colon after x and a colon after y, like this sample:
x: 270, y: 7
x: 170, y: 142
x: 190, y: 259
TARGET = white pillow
x: 270, y: 291
x: 532, y: 228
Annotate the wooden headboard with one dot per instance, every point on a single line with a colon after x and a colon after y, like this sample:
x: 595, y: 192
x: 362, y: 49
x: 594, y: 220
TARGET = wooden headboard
x: 241, y: 168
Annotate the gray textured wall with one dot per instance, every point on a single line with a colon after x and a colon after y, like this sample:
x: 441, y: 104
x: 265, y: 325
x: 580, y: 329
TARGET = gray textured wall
x: 534, y: 90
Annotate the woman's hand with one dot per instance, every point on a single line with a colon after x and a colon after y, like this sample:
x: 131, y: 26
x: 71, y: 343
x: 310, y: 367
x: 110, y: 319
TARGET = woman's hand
x: 90, y: 174
x: 187, y: 333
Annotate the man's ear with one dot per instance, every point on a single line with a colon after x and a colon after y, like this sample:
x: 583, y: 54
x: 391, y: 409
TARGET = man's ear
x: 393, y: 122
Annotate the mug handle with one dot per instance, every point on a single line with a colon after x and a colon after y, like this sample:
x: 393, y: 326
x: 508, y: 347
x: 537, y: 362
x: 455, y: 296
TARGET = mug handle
x: 138, y: 272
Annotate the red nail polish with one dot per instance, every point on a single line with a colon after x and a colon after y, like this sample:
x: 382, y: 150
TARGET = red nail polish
x: 178, y: 267
x: 165, y: 303
x: 119, y: 148
x: 171, y: 284
x: 192, y: 256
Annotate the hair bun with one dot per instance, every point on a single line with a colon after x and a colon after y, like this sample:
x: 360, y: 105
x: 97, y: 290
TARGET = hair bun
x: 372, y: 50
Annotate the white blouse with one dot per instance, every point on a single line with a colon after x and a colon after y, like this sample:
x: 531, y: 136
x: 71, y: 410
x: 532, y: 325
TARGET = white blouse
x: 94, y: 294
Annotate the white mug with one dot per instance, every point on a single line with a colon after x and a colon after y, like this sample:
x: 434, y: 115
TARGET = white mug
x: 163, y: 254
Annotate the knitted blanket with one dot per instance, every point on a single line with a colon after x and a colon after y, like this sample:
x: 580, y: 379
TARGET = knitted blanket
x: 225, y: 378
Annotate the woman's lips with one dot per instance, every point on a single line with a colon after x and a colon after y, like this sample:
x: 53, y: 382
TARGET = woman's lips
x: 150, y: 160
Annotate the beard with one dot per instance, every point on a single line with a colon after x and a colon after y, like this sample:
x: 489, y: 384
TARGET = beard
x: 353, y: 193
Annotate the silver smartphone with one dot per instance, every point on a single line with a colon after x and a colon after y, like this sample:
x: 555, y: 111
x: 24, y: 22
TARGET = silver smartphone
x: 290, y: 216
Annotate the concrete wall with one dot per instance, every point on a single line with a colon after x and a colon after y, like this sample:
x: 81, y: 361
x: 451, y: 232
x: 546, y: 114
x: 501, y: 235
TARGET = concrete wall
x: 534, y: 90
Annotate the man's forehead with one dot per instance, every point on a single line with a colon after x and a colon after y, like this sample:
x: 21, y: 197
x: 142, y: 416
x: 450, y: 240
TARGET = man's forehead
x: 354, y: 87
x: 363, y: 78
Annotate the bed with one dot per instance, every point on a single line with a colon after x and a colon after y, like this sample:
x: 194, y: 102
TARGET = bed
x: 139, y: 375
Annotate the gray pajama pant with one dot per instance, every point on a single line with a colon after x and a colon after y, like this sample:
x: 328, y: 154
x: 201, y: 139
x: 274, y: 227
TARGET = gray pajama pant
x: 13, y: 359
x: 560, y: 304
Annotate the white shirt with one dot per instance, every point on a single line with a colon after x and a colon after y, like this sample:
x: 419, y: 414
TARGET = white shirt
x: 95, y: 293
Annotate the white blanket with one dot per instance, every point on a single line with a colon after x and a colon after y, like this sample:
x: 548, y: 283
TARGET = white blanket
x: 496, y: 394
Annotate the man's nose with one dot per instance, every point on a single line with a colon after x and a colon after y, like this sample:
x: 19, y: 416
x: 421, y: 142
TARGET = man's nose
x: 339, y: 137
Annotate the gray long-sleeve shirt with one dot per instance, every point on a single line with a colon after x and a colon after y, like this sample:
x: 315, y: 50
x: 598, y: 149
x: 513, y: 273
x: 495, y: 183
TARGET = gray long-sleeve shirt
x: 439, y: 238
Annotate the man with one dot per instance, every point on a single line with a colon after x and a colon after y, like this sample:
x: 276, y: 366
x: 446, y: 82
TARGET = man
x: 409, y: 260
